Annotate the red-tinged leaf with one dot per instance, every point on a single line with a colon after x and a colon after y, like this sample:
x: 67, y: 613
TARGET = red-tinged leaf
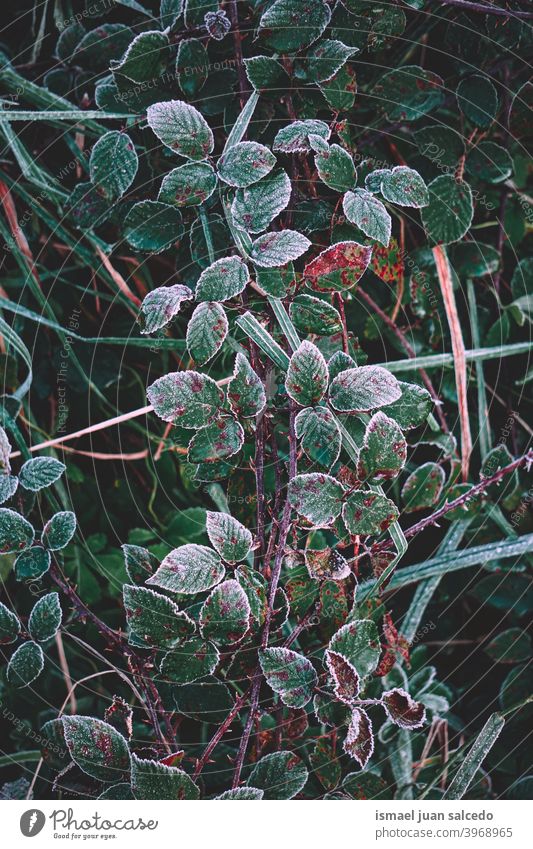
x: 387, y: 262
x: 345, y: 677
x: 359, y: 743
x: 337, y: 268
x: 402, y: 709
x: 327, y: 564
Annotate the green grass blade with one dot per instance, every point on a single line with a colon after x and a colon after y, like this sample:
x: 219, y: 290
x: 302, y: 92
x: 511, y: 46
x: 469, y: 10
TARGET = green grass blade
x: 475, y: 757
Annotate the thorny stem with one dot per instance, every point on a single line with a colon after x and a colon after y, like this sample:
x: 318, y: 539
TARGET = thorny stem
x: 478, y: 489
x: 284, y: 529
x: 118, y: 641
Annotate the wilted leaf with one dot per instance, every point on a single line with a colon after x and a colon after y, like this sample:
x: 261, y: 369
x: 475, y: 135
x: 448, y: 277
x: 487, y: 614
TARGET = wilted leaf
x: 402, y: 709
x: 337, y: 268
x: 326, y: 564
x: 359, y: 742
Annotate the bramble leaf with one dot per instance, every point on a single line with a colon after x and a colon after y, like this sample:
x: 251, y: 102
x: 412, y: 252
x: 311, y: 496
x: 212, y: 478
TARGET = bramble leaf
x: 288, y: 26
x: 189, y: 569
x: 405, y: 187
x: 190, y: 661
x: 275, y: 249
x: 289, y: 674
x: 225, y: 615
x: 224, y: 279
x: 153, y: 226
x: 59, y: 530
x: 228, y: 536
x: 189, y: 185
x: 402, y: 709
x: 25, y: 665
x: 449, y: 213
x: 9, y: 625
x: 218, y: 441
x: 280, y: 775
x: 113, y: 164
x: 32, y: 563
x: 384, y: 450
x: 319, y: 434
x: 246, y: 392
x: 245, y: 163
x: 181, y: 128
x: 307, y: 375
x: 40, y: 472
x: 206, y: 331
x: 256, y: 206
x: 326, y: 564
x: 360, y: 390
x: 369, y: 214
x: 294, y: 138
x: 313, y: 315
x: 161, y: 305
x: 338, y: 267
x: 359, y: 742
x: 154, y: 780
x: 186, y: 398
x: 317, y: 497
x: 336, y: 168
x: 154, y: 621
x: 423, y: 487
x: 358, y: 642
x: 413, y: 406
x: 45, y: 618
x: 16, y: 533
x: 345, y: 677
x: 368, y: 513
x: 97, y: 748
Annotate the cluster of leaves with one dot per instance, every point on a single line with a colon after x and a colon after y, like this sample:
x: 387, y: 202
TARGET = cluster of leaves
x: 242, y: 224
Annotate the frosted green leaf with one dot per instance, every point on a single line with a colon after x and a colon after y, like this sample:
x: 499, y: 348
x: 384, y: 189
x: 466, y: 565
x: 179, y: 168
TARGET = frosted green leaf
x: 264, y: 71
x: 278, y: 248
x: 45, y: 618
x: 25, y: 665
x: 450, y: 211
x: 336, y: 168
x: 313, y: 315
x: 218, y: 441
x: 319, y: 434
x: 154, y: 780
x: 153, y: 226
x: 369, y: 214
x: 8, y: 486
x: 405, y: 187
x: 307, y: 375
x: 181, y: 128
x: 225, y: 615
x: 228, y: 536
x: 339, y: 362
x: 317, y: 497
x: 255, y: 587
x: 186, y: 398
x: 170, y: 11
x: 384, y: 449
x: 97, y: 748
x: 68, y: 41
x: 359, y: 742
x: 358, y: 390
x: 59, y: 530
x: 206, y: 331
x: 192, y: 66
x: 341, y: 89
x: 326, y: 58
x: 242, y: 793
x: 32, y: 563
x: 40, y: 472
x: 407, y: 93
x: 189, y: 569
x: 144, y: 59
x: 275, y: 281
x: 245, y: 163
x: 5, y: 451
x: 478, y: 100
x: 9, y: 625
x: 189, y: 185
x: 402, y: 709
x: 190, y: 661
x: 153, y: 620
x: 288, y: 26
x: 246, y: 393
x: 326, y: 564
x: 224, y: 279
x: 423, y: 487
x: 280, y: 775
x: 113, y: 164
x: 161, y: 305
x: 358, y: 642
x: 338, y: 267
x: 139, y: 563
x: 490, y: 162
x: 294, y: 138
x: 15, y: 532
x: 412, y: 408
x: 255, y: 207
x: 289, y: 674
x: 368, y: 513
x: 373, y: 180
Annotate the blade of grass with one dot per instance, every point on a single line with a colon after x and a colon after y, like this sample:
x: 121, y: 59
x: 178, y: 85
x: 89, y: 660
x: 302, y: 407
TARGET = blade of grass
x: 485, y: 441
x: 475, y: 757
